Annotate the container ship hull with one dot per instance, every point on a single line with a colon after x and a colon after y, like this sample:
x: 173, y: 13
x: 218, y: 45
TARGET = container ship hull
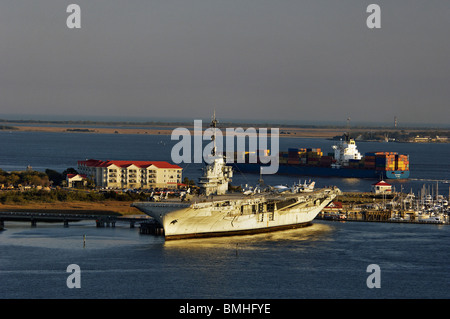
x: 345, y: 161
x: 345, y: 172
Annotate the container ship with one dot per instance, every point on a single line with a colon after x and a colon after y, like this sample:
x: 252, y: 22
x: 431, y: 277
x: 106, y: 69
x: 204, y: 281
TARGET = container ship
x: 345, y: 161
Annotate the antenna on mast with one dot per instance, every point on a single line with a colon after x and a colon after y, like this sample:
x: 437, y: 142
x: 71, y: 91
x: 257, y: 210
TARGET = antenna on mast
x: 213, y: 137
x: 347, y: 134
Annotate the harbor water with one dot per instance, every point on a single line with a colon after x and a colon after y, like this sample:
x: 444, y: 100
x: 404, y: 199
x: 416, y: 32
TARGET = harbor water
x: 325, y: 260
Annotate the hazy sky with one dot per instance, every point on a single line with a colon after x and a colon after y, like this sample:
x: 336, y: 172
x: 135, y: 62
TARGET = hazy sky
x: 275, y: 60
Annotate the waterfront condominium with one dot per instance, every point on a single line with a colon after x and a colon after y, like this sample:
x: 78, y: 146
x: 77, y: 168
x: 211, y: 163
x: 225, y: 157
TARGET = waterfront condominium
x: 131, y: 174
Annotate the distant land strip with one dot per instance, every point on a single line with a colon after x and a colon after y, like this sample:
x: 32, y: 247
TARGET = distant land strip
x: 284, y: 132
x: 165, y: 128
x: 220, y: 124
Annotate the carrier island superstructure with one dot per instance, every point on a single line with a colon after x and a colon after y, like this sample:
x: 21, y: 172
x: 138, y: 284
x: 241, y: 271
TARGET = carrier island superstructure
x: 215, y: 212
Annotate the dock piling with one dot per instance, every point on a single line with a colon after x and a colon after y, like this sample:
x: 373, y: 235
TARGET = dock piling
x: 151, y: 229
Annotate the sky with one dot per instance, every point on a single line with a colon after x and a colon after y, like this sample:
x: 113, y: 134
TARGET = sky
x: 285, y: 60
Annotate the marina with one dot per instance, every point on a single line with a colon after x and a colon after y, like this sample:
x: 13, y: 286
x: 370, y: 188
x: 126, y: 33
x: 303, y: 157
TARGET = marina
x: 426, y: 208
x: 386, y: 216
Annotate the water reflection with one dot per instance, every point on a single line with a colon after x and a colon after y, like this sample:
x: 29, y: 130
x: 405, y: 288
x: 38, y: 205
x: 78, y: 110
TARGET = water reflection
x: 78, y: 236
x: 247, y: 265
x: 314, y: 232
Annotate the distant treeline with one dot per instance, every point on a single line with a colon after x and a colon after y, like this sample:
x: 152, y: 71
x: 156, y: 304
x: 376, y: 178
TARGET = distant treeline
x: 82, y: 130
x: 25, y: 178
x: 93, y: 122
x: 168, y: 124
x: 221, y: 124
x: 400, y: 135
x: 7, y: 128
x: 34, y: 178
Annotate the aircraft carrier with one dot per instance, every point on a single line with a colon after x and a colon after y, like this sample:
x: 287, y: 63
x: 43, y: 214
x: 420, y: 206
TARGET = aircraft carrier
x: 215, y: 212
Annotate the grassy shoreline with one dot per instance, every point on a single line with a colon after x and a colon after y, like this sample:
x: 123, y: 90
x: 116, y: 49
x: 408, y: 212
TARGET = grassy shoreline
x: 65, y: 200
x: 93, y: 208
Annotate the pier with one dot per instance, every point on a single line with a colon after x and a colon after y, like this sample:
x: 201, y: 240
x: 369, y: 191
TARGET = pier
x: 151, y: 227
x: 65, y: 219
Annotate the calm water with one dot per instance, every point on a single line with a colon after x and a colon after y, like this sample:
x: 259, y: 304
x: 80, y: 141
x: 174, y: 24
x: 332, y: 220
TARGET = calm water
x: 325, y: 260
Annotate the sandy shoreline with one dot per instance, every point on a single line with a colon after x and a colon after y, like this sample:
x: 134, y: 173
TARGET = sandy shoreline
x: 105, y: 207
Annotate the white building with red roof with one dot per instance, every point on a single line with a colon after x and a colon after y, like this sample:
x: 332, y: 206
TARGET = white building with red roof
x: 131, y: 174
x: 382, y: 188
x: 74, y: 180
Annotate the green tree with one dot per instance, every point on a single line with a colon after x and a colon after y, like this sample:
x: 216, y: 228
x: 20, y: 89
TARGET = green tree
x: 70, y: 170
x: 188, y: 182
x: 13, y: 179
x: 54, y: 176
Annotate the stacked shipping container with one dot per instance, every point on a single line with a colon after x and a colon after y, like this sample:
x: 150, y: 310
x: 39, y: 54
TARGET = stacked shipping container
x: 386, y: 161
x: 305, y: 156
x: 402, y: 163
x: 376, y: 161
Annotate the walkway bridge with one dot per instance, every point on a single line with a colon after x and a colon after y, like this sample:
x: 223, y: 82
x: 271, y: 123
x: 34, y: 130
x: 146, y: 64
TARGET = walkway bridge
x: 65, y: 218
